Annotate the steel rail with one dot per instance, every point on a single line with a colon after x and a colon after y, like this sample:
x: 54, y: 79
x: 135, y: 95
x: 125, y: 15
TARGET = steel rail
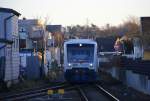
x: 112, y: 97
x: 81, y: 93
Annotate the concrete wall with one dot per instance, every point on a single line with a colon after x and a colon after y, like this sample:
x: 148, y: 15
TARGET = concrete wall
x: 137, y: 81
x: 2, y: 35
x: 2, y: 17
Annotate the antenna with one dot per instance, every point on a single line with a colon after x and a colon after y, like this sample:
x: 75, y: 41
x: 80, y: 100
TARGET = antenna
x: 87, y: 22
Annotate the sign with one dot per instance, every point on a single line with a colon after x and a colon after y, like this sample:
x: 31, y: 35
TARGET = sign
x: 61, y: 91
x: 50, y: 92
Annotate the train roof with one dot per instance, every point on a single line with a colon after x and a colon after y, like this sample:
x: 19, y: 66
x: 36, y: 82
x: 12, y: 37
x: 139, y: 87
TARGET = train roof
x: 86, y: 41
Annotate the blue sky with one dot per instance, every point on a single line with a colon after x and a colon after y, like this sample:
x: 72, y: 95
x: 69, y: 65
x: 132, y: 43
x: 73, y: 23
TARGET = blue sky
x: 72, y: 12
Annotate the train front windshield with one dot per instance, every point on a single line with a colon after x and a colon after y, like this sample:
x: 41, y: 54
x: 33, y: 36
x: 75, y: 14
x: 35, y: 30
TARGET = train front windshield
x: 80, y: 53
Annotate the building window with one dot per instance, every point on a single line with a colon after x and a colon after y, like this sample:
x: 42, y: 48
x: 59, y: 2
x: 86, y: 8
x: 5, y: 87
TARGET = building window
x: 22, y: 43
x: 22, y: 29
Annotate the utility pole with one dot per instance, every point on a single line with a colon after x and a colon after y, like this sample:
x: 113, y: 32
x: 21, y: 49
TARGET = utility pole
x: 87, y: 26
x: 42, y: 50
x: 42, y: 64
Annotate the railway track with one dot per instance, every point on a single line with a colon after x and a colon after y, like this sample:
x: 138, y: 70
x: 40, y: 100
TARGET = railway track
x: 82, y: 94
x: 95, y: 93
x: 86, y: 92
x: 31, y: 93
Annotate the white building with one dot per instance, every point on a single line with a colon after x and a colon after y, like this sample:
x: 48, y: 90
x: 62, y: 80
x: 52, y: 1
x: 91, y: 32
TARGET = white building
x: 33, y: 36
x: 26, y: 27
x: 9, y: 45
x: 32, y: 33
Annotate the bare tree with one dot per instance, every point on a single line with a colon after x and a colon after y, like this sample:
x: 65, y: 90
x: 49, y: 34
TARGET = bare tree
x: 129, y: 27
x: 132, y: 25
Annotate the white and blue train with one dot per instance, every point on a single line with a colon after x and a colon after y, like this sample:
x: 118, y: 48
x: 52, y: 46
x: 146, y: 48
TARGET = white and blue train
x: 80, y: 60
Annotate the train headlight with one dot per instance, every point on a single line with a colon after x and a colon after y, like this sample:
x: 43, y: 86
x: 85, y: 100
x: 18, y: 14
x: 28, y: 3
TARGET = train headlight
x: 91, y: 64
x: 69, y: 65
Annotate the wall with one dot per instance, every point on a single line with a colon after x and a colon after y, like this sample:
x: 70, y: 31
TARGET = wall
x: 11, y: 52
x: 2, y: 35
x: 137, y: 81
x: 7, y: 51
x: 33, y: 70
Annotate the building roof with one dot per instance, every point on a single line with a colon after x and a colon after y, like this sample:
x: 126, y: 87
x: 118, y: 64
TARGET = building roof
x: 53, y: 28
x: 106, y: 44
x: 8, y: 10
x: 83, y: 41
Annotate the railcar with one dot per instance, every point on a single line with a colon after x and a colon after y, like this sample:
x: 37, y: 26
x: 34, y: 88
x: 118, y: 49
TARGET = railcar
x: 80, y: 60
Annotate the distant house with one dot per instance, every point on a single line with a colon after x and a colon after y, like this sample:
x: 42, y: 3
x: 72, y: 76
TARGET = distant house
x: 130, y: 48
x: 31, y: 33
x: 33, y: 38
x: 9, y: 45
x: 133, y: 48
